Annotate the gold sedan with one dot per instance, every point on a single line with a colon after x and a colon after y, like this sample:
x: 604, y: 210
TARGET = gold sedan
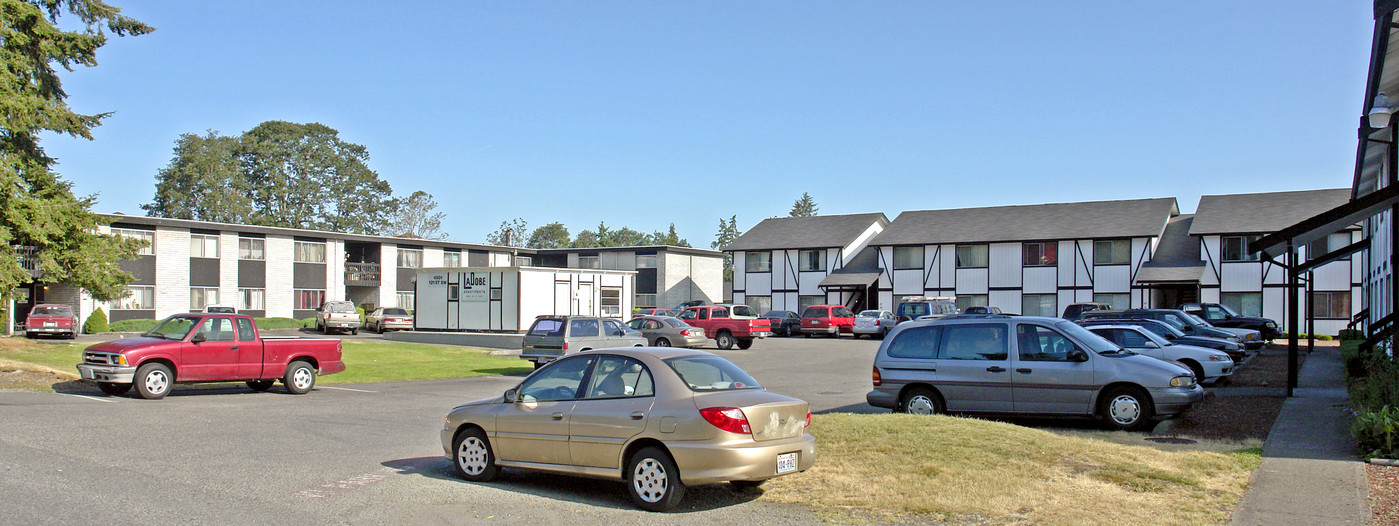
x: 657, y: 419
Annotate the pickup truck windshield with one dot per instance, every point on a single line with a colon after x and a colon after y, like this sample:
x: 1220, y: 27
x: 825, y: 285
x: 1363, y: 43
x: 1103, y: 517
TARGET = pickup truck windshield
x: 174, y: 328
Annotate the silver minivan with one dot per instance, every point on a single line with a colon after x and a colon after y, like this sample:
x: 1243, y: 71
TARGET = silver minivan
x: 554, y: 336
x: 1025, y: 365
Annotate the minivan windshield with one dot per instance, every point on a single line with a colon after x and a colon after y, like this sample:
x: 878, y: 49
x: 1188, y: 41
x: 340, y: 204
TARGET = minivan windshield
x: 173, y: 328
x: 1094, y: 342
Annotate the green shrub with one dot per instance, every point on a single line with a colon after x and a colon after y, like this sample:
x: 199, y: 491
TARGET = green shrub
x: 1351, y: 334
x: 133, y: 325
x: 96, y: 323
x: 361, y: 311
x: 283, y: 323
x: 1303, y: 336
x: 1376, y: 431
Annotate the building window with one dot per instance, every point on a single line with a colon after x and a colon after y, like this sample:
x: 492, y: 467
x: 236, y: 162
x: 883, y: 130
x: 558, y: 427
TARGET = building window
x: 611, y: 302
x: 811, y: 260
x: 1329, y: 243
x: 143, y: 235
x: 251, y: 248
x: 309, y: 252
x: 451, y: 259
x: 758, y: 261
x: 907, y: 258
x: 589, y: 262
x: 646, y: 261
x: 497, y: 294
x: 200, y: 297
x: 1041, y: 254
x: 1330, y: 305
x: 410, y: 258
x: 971, y: 300
x: 1118, y: 301
x: 645, y: 301
x: 973, y: 256
x: 252, y: 299
x: 1039, y: 304
x: 1244, y: 303
x: 406, y: 300
x: 761, y: 304
x: 806, y: 301
x: 523, y: 261
x: 203, y: 246
x: 1236, y: 248
x: 137, y: 298
x: 1112, y: 252
x: 308, y: 299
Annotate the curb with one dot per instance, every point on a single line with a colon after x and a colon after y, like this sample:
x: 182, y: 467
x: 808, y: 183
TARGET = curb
x: 1385, y: 462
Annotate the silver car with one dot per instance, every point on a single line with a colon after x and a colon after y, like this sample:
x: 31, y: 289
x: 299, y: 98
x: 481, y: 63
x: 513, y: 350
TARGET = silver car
x: 388, y: 319
x: 551, y: 337
x: 668, y: 331
x: 1025, y: 365
x: 1208, y: 365
x: 874, y: 323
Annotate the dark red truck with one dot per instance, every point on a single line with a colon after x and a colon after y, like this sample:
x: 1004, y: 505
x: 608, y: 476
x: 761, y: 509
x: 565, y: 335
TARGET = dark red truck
x: 728, y: 324
x: 188, y: 348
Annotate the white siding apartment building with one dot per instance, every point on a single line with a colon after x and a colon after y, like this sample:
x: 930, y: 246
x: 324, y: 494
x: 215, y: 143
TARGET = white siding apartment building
x: 790, y: 263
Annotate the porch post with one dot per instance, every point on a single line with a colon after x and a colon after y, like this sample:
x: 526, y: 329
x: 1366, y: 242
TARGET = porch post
x: 1293, y: 323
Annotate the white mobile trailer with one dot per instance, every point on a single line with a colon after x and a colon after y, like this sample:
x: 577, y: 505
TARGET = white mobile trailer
x: 509, y: 298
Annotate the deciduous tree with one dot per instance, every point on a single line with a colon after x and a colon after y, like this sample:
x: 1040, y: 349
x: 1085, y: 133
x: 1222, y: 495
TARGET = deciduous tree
x: 203, y: 182
x: 552, y: 235
x: 414, y: 217
x: 512, y: 233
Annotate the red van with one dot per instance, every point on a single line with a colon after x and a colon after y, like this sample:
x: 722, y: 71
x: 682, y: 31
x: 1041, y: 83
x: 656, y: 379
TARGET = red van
x: 830, y: 320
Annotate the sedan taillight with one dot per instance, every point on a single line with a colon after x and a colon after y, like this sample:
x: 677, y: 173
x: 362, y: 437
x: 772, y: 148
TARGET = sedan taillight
x: 808, y: 419
x: 729, y: 419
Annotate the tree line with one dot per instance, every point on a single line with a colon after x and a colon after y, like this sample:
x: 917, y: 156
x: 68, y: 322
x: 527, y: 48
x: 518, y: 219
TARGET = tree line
x: 516, y: 233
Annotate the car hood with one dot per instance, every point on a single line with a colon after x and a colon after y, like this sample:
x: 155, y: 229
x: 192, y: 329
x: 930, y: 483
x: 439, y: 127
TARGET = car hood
x: 476, y: 404
x: 1235, y: 330
x: 1251, y: 320
x: 131, y: 344
x: 1147, y: 363
x: 1197, y: 349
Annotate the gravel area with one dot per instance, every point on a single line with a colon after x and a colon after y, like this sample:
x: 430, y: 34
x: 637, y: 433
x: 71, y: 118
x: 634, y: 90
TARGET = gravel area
x: 1227, y: 418
x: 1268, y: 368
x: 1384, y: 493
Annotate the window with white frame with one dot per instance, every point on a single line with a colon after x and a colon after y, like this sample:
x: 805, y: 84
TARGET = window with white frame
x: 646, y: 261
x: 252, y: 299
x: 973, y: 256
x: 1244, y: 303
x: 811, y: 260
x: 143, y: 235
x: 138, y: 297
x: 589, y: 262
x: 1334, y: 305
x: 1040, y: 254
x: 406, y: 300
x: 761, y: 304
x: 1235, y: 248
x: 611, y: 302
x: 200, y: 297
x: 1039, y: 304
x: 1118, y: 301
x: 307, y: 299
x: 524, y: 261
x: 806, y: 301
x: 971, y: 300
x: 308, y: 252
x: 758, y: 262
x: 252, y: 248
x: 203, y: 246
x: 645, y: 301
x: 1112, y: 252
x: 410, y: 258
x: 908, y: 258
x: 451, y: 259
x: 1326, y: 244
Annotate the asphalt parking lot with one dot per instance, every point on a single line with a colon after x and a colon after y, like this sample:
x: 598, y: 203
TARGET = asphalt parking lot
x: 356, y: 453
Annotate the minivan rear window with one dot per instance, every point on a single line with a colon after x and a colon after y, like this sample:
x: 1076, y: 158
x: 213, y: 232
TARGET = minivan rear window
x: 815, y: 312
x: 547, y: 327
x: 913, y: 310
x: 974, y: 342
x: 915, y: 342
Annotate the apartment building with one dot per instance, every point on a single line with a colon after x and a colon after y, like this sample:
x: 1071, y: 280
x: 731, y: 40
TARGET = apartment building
x: 790, y: 263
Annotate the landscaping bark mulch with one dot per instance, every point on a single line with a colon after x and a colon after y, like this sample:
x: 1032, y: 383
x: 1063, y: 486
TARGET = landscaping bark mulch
x: 1384, y: 493
x: 1246, y: 406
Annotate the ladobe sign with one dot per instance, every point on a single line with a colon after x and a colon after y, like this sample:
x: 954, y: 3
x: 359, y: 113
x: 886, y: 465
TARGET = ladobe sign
x: 475, y: 288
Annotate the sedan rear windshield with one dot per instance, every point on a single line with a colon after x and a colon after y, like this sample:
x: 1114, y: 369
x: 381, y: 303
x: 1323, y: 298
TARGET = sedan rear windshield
x: 711, y: 373
x: 51, y: 311
x: 675, y: 322
x: 395, y: 312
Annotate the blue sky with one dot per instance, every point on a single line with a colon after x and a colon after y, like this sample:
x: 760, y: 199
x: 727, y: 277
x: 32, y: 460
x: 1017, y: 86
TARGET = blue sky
x: 641, y: 114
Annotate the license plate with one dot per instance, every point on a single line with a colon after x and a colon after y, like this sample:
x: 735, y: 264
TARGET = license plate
x: 50, y: 324
x: 786, y: 463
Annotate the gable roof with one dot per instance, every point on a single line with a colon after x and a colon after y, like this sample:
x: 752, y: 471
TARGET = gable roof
x: 1262, y: 213
x: 1087, y: 220
x: 1177, y: 256
x: 806, y: 232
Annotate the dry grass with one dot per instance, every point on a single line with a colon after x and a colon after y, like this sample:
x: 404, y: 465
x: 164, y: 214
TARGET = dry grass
x: 960, y: 469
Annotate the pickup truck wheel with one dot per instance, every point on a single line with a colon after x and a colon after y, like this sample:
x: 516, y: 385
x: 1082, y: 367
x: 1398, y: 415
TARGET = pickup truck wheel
x: 354, y: 331
x: 654, y: 481
x: 724, y: 340
x: 153, y: 381
x: 300, y: 378
x: 260, y: 385
x: 474, y: 459
x: 114, y: 389
x: 744, y: 343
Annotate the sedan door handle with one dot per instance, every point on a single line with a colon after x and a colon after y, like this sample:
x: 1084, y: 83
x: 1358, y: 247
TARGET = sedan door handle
x: 1023, y: 370
x: 557, y: 416
x: 638, y: 415
x: 996, y: 369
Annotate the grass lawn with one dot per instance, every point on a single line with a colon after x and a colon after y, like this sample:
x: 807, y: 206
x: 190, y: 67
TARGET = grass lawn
x: 971, y: 470
x: 366, y: 361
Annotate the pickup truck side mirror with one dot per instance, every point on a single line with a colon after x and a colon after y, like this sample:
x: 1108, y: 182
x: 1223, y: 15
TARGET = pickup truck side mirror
x: 1078, y: 355
x: 510, y: 396
x: 199, y: 337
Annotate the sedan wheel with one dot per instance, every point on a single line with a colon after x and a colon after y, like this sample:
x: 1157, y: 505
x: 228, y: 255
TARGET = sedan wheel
x: 662, y: 342
x: 474, y: 460
x: 654, y: 481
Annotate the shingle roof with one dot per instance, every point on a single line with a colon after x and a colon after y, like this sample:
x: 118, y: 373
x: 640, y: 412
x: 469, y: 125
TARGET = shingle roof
x: 1088, y: 220
x: 806, y: 232
x: 1262, y: 213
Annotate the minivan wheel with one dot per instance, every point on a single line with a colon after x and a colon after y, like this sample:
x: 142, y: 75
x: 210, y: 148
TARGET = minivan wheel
x: 653, y: 480
x: 1125, y: 408
x: 922, y: 401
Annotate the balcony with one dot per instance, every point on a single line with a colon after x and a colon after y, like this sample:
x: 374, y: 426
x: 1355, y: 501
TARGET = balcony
x: 362, y: 274
x: 27, y: 261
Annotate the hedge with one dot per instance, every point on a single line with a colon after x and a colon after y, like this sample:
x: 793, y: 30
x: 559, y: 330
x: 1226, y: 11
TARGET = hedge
x: 262, y: 323
x: 96, y: 322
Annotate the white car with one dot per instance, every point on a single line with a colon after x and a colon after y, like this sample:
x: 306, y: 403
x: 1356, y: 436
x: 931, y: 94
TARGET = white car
x: 1208, y: 365
x: 220, y: 309
x: 874, y: 323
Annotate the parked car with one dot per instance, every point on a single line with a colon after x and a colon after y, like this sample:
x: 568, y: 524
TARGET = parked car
x: 219, y: 309
x: 1051, y: 365
x: 914, y: 307
x: 1208, y: 365
x: 196, y: 347
x: 982, y: 310
x: 338, y: 316
x: 1222, y: 316
x: 668, y: 331
x: 1074, y: 311
x: 51, y: 319
x: 874, y: 323
x: 388, y: 319
x: 692, y: 303
x: 1250, y: 338
x: 1174, y: 335
x: 652, y: 312
x: 1177, y: 318
x: 830, y: 320
x: 552, y: 337
x: 659, y: 420
x: 726, y: 329
x: 784, y: 322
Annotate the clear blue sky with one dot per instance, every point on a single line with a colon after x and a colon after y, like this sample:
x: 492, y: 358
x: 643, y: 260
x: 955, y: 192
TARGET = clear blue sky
x: 645, y: 113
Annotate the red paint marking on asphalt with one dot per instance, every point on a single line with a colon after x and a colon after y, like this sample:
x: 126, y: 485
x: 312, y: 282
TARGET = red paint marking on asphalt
x: 330, y: 489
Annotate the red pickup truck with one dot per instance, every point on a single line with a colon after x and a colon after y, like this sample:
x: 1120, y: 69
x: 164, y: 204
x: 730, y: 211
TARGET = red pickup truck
x: 728, y: 324
x: 190, y: 348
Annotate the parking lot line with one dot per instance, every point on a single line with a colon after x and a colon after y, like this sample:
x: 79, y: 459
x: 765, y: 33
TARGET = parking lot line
x: 345, y: 389
x: 93, y: 398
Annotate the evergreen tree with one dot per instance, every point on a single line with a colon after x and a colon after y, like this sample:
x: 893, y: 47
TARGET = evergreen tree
x: 728, y: 232
x: 670, y: 237
x: 804, y: 206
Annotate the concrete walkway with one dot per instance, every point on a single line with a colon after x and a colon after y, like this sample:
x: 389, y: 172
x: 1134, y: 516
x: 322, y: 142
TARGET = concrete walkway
x: 1310, y: 472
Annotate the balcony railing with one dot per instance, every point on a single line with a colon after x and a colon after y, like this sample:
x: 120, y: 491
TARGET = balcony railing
x: 362, y: 274
x: 28, y: 261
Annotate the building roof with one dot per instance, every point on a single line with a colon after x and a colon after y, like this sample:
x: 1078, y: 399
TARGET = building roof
x: 1262, y: 213
x: 1087, y: 220
x: 862, y: 270
x: 1177, y: 256
x: 806, y: 232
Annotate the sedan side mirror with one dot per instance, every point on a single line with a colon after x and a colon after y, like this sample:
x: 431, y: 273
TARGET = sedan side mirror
x: 1152, y: 345
x: 1078, y: 355
x: 510, y: 395
x: 199, y: 337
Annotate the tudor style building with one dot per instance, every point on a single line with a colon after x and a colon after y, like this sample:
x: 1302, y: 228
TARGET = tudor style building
x: 790, y: 263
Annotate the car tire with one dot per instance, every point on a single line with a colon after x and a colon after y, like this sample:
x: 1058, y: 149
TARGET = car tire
x: 724, y: 340
x: 114, y: 389
x: 153, y: 381
x: 653, y: 480
x: 260, y: 385
x: 1195, y: 368
x: 474, y: 459
x: 807, y: 334
x: 745, y: 343
x: 300, y: 378
x: 922, y: 401
x: 354, y: 332
x: 662, y: 342
x: 1125, y: 408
